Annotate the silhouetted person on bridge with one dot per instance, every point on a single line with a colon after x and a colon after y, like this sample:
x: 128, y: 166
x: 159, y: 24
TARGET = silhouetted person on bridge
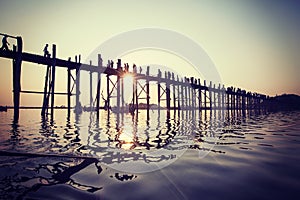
x: 4, y: 43
x: 46, y: 52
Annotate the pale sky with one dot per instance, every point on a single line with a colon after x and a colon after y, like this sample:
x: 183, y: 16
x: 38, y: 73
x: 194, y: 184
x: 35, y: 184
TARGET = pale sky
x: 254, y: 44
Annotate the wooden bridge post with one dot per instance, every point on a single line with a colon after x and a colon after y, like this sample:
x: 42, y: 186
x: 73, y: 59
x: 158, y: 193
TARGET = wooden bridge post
x: 210, y: 95
x: 243, y: 100
x: 45, y: 98
x: 174, y: 91
x: 119, y: 68
x: 110, y: 64
x: 186, y: 84
x: 189, y: 94
x: 98, y: 85
x: 219, y: 96
x: 214, y: 96
x: 237, y: 98
x: 148, y: 92
x: 68, y: 90
x: 205, y: 95
x: 158, y: 88
x: 182, y: 94
x: 233, y: 99
x: 246, y: 100
x: 223, y: 97
x: 91, y: 88
x: 168, y: 94
x: 249, y: 101
x: 192, y: 93
x: 53, y: 80
x: 186, y: 93
x: 135, y: 92
x: 122, y: 93
x: 228, y: 98
x: 17, y: 63
x: 77, y: 102
x: 257, y: 103
x: 199, y: 95
x: 178, y: 93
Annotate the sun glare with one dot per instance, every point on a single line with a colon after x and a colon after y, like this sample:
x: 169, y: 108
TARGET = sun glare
x: 128, y: 77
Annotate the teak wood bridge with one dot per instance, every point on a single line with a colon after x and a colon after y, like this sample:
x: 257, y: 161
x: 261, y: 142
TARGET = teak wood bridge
x: 187, y: 93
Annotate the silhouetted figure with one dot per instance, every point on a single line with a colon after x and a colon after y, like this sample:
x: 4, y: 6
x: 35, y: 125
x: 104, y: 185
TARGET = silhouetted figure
x: 46, y: 52
x: 4, y: 43
x: 111, y: 64
x: 126, y: 67
x: 159, y: 73
x: 131, y: 108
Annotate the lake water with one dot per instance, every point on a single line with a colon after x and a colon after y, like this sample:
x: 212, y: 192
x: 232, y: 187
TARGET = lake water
x: 187, y: 155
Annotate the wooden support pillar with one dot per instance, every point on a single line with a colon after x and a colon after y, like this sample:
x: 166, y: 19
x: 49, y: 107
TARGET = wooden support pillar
x: 228, y: 99
x: 158, y: 89
x: 199, y: 95
x: 210, y: 95
x: 122, y: 86
x: 186, y: 85
x: 174, y: 92
x: 219, y: 97
x: 189, y: 95
x: 205, y: 95
x: 107, y: 93
x: 17, y: 63
x: 135, y: 92
x: 118, y: 93
x: 249, y: 101
x: 237, y: 99
x: 122, y: 93
x: 148, y: 93
x: 243, y: 100
x: 98, y: 85
x: 192, y: 94
x: 223, y: 97
x: 53, y: 80
x: 77, y: 100
x: 214, y: 97
x: 45, y: 98
x: 91, y: 89
x: 168, y: 94
x: 182, y: 94
x: 179, y: 93
x: 246, y: 100
x: 119, y: 68
x: 233, y: 99
x: 69, y: 90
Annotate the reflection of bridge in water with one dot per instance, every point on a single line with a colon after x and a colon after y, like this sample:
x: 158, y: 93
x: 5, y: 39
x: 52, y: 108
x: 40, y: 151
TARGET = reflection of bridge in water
x: 188, y: 93
x: 33, y: 171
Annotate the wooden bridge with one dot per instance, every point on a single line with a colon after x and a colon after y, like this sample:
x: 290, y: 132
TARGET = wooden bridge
x: 188, y: 93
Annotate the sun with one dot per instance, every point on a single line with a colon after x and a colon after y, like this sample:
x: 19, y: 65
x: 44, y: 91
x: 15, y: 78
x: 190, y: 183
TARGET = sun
x: 128, y: 79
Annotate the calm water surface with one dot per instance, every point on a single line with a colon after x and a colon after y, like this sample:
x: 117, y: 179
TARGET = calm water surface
x: 188, y: 155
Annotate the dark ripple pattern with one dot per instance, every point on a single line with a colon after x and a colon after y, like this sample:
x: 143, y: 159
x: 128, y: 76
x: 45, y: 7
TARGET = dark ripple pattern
x: 226, y: 155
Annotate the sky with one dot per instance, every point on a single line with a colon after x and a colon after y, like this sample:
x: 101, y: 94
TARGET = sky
x: 253, y: 44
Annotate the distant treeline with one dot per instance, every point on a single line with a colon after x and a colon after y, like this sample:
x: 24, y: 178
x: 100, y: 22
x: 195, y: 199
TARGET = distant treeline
x: 283, y: 102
